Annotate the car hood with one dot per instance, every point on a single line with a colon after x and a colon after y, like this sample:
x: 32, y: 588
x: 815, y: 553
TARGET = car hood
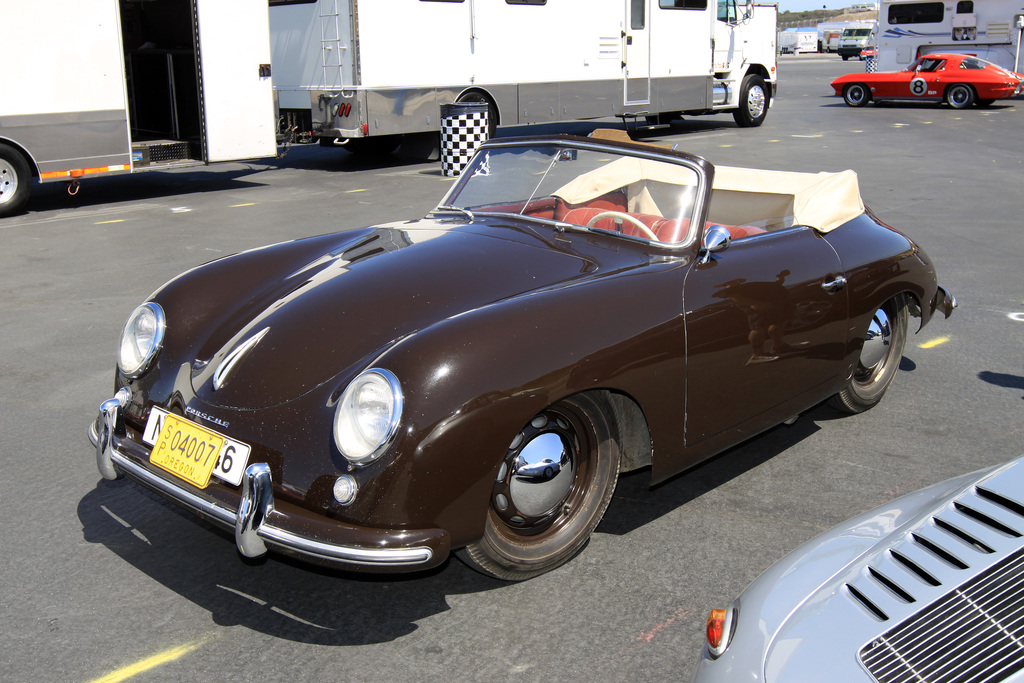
x: 855, y: 619
x: 357, y: 295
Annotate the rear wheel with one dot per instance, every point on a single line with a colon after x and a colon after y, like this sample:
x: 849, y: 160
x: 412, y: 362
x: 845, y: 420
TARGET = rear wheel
x: 552, y: 490
x: 960, y: 95
x: 15, y: 180
x: 879, y: 358
x: 856, y: 94
x: 754, y: 102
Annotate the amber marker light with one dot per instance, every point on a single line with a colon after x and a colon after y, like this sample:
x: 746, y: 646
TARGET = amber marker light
x: 718, y: 630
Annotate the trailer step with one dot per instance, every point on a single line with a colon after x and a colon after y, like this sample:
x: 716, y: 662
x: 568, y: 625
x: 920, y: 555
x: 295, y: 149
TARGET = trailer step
x: 161, y: 152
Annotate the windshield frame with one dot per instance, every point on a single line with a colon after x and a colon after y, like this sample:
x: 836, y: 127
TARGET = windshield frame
x: 703, y: 172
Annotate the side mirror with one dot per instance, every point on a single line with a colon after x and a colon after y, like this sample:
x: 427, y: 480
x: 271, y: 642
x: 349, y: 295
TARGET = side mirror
x: 716, y: 238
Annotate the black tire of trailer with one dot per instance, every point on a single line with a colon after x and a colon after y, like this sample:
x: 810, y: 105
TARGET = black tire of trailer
x: 749, y: 114
x: 15, y: 180
x: 492, y: 109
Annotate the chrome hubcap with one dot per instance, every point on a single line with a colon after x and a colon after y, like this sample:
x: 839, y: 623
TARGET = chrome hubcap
x: 877, y: 341
x: 755, y: 101
x: 8, y: 181
x: 535, y: 480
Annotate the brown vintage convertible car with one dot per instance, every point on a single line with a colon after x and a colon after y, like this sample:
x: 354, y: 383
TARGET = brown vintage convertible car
x: 477, y: 379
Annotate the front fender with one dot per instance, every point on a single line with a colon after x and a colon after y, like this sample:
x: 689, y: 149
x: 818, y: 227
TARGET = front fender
x: 473, y: 381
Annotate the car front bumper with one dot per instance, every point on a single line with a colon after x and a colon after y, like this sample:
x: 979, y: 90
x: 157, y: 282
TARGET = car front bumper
x: 258, y: 522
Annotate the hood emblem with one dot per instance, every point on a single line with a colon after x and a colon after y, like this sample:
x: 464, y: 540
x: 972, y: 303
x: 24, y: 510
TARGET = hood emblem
x: 220, y: 377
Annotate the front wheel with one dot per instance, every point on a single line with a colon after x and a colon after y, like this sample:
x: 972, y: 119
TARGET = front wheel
x: 15, y: 180
x: 552, y: 489
x: 753, y: 102
x: 879, y: 358
x: 856, y: 94
x: 960, y: 96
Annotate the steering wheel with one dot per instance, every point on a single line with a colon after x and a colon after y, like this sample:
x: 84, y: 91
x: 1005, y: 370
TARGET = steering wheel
x: 625, y: 217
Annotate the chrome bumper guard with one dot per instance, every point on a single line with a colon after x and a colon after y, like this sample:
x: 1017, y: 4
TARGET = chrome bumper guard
x: 944, y: 301
x: 252, y: 530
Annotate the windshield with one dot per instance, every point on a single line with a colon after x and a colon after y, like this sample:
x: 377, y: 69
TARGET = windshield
x: 857, y: 33
x: 600, y: 189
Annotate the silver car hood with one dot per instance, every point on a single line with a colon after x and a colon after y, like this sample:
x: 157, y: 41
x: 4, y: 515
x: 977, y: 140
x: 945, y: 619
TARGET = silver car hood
x: 922, y: 588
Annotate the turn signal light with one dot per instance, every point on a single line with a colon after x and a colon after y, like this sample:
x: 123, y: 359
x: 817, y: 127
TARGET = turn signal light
x: 719, y: 629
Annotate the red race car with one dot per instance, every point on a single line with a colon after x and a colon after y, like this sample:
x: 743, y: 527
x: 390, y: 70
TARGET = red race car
x: 960, y: 80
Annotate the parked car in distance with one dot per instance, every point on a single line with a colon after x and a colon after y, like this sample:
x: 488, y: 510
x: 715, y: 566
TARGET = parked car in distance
x: 928, y: 587
x: 476, y: 380
x: 958, y: 80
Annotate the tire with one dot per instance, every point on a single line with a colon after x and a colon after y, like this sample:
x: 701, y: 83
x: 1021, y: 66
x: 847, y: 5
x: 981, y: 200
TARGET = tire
x: 535, y: 523
x: 845, y: 57
x: 879, y: 359
x: 960, y: 95
x: 856, y: 94
x: 754, y: 102
x: 15, y: 180
x: 492, y: 113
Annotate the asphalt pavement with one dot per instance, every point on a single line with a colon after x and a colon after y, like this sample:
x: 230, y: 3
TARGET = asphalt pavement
x: 102, y: 578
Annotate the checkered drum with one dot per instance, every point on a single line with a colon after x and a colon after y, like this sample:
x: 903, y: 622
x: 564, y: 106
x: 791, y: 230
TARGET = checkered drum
x: 463, y: 129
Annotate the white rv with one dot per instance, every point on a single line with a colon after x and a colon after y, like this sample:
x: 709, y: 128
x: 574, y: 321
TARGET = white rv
x: 111, y: 86
x: 990, y: 29
x: 367, y: 72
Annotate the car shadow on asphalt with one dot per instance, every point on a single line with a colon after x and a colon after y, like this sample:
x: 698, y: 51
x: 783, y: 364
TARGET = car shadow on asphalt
x: 636, y: 503
x: 277, y: 596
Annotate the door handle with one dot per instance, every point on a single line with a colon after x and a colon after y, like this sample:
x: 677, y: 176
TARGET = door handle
x: 835, y: 285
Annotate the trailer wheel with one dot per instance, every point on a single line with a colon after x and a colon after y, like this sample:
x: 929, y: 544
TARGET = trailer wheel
x: 754, y: 102
x: 15, y: 180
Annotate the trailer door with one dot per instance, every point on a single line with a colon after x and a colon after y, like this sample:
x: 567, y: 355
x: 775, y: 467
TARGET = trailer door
x: 233, y: 40
x: 636, y: 67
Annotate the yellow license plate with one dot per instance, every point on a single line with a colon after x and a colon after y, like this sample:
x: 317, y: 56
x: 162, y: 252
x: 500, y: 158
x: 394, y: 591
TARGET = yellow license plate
x: 187, y: 450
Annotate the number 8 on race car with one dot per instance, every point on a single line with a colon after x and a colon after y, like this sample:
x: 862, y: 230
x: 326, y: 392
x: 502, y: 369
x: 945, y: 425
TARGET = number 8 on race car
x: 918, y: 86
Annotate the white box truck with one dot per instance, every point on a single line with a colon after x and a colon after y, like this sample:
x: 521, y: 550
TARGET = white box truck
x: 365, y: 73
x: 110, y: 86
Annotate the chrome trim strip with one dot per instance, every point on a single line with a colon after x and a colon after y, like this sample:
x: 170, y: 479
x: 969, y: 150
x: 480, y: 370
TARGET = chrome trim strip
x: 249, y: 522
x: 220, y: 377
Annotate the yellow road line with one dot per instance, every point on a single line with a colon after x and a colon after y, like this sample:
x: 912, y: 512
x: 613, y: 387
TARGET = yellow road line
x: 351, y: 191
x: 238, y: 206
x: 933, y: 343
x: 149, y: 663
x: 119, y: 220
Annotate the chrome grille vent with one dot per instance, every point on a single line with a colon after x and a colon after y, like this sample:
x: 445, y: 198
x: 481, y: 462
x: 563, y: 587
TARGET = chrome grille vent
x: 973, y: 633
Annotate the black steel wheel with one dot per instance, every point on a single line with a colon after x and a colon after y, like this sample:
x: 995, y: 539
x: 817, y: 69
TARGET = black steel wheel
x: 552, y: 489
x: 879, y: 358
x: 754, y: 102
x: 856, y: 94
x: 960, y: 95
x: 15, y: 180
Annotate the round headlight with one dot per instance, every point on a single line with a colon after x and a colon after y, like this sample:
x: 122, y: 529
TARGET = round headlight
x: 367, y: 415
x: 141, y: 339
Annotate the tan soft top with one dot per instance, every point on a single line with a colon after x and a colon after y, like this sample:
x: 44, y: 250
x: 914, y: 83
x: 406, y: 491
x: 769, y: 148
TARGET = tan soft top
x: 823, y: 201
x: 740, y: 196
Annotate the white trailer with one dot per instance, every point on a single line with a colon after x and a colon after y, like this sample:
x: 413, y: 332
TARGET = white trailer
x: 365, y: 73
x: 111, y: 86
x: 794, y: 42
x: 990, y: 29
